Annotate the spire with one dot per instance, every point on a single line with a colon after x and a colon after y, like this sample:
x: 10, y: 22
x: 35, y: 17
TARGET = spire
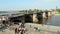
x: 56, y: 7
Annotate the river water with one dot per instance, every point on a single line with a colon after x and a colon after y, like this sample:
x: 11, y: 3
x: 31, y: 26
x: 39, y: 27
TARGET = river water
x: 7, y: 12
x: 54, y: 20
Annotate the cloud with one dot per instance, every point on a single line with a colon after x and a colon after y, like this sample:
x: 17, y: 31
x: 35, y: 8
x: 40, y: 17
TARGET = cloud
x: 51, y: 0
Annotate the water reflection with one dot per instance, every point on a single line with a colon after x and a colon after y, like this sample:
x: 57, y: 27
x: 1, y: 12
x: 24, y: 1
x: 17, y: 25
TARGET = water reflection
x: 42, y: 21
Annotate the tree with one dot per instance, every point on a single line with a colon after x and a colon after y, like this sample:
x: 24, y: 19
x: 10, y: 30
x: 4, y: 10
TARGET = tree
x: 29, y: 11
x: 36, y: 10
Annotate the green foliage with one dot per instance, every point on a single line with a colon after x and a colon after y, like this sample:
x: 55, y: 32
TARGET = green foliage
x: 35, y: 10
x: 27, y: 11
x: 58, y: 10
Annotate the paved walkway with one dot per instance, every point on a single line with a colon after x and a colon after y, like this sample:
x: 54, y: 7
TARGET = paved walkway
x: 43, y: 29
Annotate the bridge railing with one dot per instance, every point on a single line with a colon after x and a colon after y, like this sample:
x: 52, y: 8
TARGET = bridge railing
x: 27, y: 12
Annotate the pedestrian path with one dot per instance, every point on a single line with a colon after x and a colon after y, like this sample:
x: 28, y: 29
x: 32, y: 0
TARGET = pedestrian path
x: 41, y: 29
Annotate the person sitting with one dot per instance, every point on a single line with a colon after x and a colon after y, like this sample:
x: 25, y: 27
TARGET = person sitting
x: 37, y: 29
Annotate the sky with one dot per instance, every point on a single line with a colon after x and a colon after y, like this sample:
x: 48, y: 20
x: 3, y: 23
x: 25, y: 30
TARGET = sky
x: 15, y: 5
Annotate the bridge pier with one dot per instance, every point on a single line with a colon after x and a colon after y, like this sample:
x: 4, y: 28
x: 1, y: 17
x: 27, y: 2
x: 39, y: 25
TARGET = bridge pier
x: 35, y: 19
x: 49, y: 14
x: 43, y: 15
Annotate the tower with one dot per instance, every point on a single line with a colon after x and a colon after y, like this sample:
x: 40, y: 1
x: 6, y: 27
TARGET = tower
x: 56, y: 8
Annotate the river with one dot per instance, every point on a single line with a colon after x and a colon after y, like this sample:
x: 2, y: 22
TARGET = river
x: 7, y: 12
x: 54, y: 20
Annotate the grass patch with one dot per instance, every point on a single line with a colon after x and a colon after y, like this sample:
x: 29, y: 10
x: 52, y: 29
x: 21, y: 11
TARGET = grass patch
x: 57, y: 12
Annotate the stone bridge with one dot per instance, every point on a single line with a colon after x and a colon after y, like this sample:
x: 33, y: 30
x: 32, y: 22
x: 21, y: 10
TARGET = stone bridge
x: 32, y: 17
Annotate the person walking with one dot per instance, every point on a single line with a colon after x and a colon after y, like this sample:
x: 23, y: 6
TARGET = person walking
x: 16, y: 31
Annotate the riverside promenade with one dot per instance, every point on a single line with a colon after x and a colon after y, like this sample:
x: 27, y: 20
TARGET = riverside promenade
x: 41, y: 29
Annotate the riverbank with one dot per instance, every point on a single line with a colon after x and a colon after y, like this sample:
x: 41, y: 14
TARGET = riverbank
x: 57, y: 14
